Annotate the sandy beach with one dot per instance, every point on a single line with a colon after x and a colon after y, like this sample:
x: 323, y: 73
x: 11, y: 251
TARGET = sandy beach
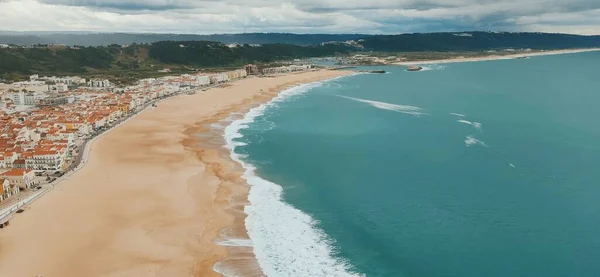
x: 492, y: 57
x: 153, y: 197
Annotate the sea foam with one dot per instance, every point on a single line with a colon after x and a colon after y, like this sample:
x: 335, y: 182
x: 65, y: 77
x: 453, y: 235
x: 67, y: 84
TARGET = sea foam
x: 412, y: 110
x: 477, y: 125
x: 471, y: 141
x: 286, y: 241
x: 433, y: 67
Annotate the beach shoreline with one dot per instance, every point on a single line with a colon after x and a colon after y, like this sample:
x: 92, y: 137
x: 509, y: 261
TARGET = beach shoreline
x: 155, y: 198
x: 492, y: 57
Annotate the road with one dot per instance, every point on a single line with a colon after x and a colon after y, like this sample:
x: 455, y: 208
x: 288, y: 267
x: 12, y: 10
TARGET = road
x: 83, y: 153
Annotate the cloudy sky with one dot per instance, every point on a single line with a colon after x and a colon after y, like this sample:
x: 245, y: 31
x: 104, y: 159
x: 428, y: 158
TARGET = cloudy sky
x: 300, y: 16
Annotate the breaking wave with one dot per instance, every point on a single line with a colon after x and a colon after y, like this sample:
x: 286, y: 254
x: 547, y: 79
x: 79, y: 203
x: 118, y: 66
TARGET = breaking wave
x: 472, y: 141
x: 412, y: 110
x: 477, y: 125
x: 433, y: 67
x: 286, y: 241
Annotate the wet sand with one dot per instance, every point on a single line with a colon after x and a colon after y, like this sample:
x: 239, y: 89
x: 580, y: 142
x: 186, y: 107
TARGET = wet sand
x: 153, y: 197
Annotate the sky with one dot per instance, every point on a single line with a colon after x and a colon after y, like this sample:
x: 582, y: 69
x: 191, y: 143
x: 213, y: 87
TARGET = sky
x: 301, y: 16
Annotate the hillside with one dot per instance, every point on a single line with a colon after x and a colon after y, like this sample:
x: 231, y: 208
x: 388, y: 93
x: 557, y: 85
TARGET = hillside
x: 467, y: 41
x: 135, y: 60
x: 476, y: 41
x: 118, y: 60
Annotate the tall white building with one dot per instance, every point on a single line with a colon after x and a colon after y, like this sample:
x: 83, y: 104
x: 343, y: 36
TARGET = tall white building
x: 202, y: 80
x: 99, y: 83
x: 27, y: 98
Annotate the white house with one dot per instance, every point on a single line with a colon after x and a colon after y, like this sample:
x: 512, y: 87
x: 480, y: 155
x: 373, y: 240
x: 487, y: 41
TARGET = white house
x: 6, y: 190
x: 22, y: 178
x: 7, y: 159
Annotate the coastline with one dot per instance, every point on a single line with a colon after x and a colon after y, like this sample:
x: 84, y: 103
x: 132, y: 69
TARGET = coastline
x: 497, y: 57
x: 156, y: 194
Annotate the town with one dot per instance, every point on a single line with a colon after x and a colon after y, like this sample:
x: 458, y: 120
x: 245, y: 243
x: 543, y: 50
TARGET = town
x: 45, y: 122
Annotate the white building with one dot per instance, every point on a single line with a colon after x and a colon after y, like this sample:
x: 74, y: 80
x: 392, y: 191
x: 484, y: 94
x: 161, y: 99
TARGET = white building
x: 42, y: 161
x: 63, y: 135
x: 99, y: 83
x: 22, y: 178
x: 219, y: 78
x: 59, y: 87
x: 27, y: 98
x: 147, y: 81
x: 61, y: 80
x: 30, y: 86
x: 287, y: 69
x: 202, y: 80
x: 5, y: 191
x: 78, y: 80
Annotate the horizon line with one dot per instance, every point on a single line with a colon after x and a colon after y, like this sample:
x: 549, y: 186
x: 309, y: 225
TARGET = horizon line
x: 7, y: 32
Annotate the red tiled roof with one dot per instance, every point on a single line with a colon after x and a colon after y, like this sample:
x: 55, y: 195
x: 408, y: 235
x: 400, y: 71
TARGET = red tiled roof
x: 15, y: 172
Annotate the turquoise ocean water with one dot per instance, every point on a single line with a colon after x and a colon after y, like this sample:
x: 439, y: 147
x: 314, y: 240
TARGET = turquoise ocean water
x: 461, y: 170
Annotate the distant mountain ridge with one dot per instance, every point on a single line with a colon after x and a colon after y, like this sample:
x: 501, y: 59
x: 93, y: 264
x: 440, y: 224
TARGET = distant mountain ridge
x: 476, y: 41
x: 103, y: 39
x: 448, y: 41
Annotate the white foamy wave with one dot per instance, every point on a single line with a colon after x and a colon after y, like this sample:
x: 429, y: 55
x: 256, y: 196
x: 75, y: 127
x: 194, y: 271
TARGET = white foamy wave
x: 458, y: 114
x: 471, y: 141
x: 477, y: 125
x: 286, y: 241
x: 433, y: 67
x: 233, y: 242
x: 412, y: 110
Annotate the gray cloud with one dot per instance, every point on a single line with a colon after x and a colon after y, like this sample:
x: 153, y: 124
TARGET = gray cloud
x: 131, y: 5
x: 307, y: 16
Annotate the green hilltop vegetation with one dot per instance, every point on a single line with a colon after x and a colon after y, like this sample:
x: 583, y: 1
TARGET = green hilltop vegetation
x: 214, y: 54
x: 142, y: 59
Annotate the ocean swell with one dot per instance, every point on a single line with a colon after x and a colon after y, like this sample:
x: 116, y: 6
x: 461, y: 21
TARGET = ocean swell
x: 286, y: 241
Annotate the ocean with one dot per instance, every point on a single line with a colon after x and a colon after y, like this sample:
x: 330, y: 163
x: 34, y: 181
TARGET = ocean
x: 461, y: 170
